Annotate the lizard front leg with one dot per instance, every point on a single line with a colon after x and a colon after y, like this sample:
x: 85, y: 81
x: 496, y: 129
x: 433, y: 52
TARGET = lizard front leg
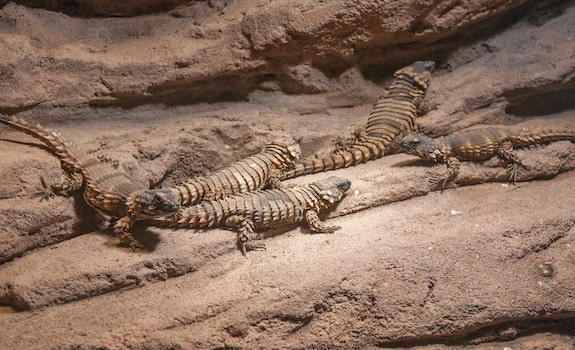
x: 453, y: 165
x: 505, y: 152
x: 316, y: 225
x: 245, y: 229
x: 122, y: 232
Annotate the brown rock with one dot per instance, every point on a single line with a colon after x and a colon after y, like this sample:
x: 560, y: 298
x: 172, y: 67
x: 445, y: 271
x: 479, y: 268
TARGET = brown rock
x: 410, y: 267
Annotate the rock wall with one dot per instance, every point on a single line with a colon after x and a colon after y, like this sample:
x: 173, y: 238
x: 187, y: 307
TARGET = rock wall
x: 51, y: 59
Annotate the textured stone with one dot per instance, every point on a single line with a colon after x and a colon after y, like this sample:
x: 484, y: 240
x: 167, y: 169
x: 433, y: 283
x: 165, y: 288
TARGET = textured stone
x: 410, y: 268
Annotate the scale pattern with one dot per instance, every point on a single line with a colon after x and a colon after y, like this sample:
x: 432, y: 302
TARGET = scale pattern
x: 250, y: 174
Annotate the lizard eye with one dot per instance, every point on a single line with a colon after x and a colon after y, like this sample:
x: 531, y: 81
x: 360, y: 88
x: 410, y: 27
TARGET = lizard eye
x: 344, y: 186
x: 158, y: 201
x: 410, y: 142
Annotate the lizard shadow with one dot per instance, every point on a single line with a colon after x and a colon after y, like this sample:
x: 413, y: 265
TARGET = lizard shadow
x: 30, y: 144
x: 414, y: 162
x: 146, y: 241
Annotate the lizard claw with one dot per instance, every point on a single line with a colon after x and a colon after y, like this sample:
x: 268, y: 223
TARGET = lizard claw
x: 246, y: 244
x: 128, y: 240
x: 436, y: 180
x: 46, y: 193
x: 121, y: 231
x: 513, y: 167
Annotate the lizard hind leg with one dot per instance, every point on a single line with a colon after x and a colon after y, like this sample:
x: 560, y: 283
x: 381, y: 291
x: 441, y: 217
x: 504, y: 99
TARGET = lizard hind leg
x: 64, y: 186
x: 46, y: 193
x: 342, y: 144
x: 245, y: 229
x: 273, y: 181
x: 67, y: 184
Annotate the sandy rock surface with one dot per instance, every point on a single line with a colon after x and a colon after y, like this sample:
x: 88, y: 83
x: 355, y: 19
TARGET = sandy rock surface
x: 183, y: 92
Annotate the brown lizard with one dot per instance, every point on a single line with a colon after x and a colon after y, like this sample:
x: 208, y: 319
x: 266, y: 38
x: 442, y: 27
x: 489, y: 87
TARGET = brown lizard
x: 392, y: 116
x: 261, y: 170
x: 110, y: 192
x: 262, y: 209
x: 478, y: 145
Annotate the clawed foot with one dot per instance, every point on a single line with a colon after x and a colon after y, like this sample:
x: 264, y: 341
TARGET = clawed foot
x: 439, y: 181
x: 513, y: 168
x: 128, y: 240
x: 246, y: 245
x: 341, y: 144
x: 122, y: 231
x: 104, y: 158
x: 46, y: 193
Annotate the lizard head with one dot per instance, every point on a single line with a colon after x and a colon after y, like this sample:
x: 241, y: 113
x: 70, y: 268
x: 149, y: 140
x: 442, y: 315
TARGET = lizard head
x: 287, y: 148
x: 150, y: 204
x: 331, y: 190
x: 419, y: 72
x: 419, y: 145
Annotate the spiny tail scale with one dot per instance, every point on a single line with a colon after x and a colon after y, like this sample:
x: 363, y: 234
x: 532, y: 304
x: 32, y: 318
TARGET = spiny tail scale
x: 63, y: 149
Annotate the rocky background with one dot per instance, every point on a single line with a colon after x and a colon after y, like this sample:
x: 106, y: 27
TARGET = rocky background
x: 174, y: 89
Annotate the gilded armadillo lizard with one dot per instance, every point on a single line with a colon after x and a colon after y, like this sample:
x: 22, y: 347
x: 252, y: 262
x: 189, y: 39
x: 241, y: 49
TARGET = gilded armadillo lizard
x: 478, y: 145
x: 262, y: 209
x: 110, y: 192
x: 393, y: 116
x: 252, y: 173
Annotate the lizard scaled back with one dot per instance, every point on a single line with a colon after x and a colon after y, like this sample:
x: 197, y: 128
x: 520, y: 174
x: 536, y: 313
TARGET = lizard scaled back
x: 392, y: 116
x: 262, y: 209
x: 109, y: 191
x: 480, y: 144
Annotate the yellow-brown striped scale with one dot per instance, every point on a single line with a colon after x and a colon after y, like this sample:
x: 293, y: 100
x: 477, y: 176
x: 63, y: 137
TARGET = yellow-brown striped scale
x: 111, y: 192
x: 478, y: 145
x: 262, y: 209
x: 392, y: 116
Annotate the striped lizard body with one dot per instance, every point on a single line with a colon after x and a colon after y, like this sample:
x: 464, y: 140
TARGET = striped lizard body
x: 392, y: 116
x: 262, y: 209
x: 478, y: 145
x: 250, y: 174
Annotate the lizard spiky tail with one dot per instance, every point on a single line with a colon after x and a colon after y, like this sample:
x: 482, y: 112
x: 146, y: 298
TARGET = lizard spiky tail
x: 534, y: 136
x: 62, y: 148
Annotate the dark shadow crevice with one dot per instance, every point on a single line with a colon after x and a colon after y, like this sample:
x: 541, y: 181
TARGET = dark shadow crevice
x: 497, y: 331
x: 541, y: 100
